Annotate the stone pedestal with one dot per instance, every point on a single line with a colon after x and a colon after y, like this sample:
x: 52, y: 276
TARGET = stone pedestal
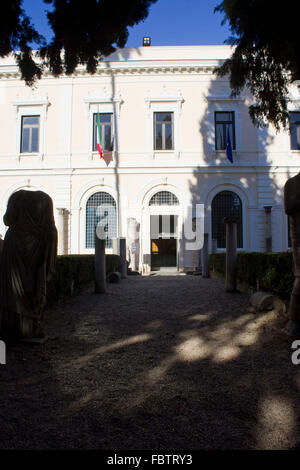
x: 231, y: 253
x: 100, y: 265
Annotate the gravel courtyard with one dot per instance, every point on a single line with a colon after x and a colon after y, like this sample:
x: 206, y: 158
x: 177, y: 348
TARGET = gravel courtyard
x: 163, y: 362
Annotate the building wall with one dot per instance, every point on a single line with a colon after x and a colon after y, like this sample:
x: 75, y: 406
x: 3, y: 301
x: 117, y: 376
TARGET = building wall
x: 134, y: 83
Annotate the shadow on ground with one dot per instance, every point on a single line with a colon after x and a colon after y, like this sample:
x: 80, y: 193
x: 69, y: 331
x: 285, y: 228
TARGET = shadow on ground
x: 156, y: 363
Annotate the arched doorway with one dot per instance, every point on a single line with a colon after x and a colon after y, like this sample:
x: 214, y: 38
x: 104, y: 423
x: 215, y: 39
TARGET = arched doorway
x: 163, y: 231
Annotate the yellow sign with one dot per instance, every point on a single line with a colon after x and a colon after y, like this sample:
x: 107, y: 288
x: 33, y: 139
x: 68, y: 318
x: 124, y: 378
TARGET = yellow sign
x: 154, y: 247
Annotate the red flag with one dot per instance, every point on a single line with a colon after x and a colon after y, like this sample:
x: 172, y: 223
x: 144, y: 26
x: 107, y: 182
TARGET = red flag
x: 99, y: 137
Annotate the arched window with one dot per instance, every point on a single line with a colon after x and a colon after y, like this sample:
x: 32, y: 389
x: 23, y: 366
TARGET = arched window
x: 101, y: 207
x: 164, y: 198
x: 226, y: 204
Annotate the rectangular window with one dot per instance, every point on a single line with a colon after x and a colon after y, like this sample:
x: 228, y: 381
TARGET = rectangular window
x: 295, y: 130
x: 106, y: 132
x: 163, y: 131
x: 224, y: 121
x: 30, y: 129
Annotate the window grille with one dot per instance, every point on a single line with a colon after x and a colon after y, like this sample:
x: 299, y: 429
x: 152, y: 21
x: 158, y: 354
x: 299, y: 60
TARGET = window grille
x: 164, y: 198
x: 101, y: 208
x: 226, y: 204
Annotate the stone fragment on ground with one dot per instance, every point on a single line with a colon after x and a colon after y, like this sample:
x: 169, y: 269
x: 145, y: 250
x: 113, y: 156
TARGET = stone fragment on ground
x: 263, y: 301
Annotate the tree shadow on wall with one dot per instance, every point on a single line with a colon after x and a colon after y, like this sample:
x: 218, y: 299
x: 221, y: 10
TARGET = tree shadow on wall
x: 253, y: 176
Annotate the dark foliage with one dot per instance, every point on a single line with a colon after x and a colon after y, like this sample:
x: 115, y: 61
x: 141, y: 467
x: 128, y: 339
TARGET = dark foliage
x: 83, y: 32
x: 16, y: 34
x: 271, y: 272
x: 266, y: 57
x: 73, y: 273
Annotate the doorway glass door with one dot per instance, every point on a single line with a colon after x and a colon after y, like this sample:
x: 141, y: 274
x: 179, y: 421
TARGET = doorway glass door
x: 163, y: 241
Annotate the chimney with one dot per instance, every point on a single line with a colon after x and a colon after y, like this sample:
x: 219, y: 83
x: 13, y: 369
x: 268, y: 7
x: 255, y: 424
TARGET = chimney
x: 147, y: 41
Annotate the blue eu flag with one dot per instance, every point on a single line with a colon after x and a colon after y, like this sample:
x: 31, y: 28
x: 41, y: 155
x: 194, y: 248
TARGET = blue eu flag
x: 228, y: 146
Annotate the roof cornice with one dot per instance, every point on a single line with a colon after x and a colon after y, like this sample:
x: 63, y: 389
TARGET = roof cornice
x: 11, y: 72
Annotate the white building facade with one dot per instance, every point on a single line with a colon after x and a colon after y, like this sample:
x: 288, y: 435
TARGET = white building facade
x: 164, y: 119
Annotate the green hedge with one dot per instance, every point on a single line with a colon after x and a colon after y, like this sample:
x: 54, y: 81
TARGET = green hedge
x: 73, y: 273
x: 271, y: 272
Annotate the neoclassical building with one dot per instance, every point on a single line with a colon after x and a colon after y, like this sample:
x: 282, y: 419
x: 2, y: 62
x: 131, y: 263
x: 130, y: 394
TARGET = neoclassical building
x: 164, y: 120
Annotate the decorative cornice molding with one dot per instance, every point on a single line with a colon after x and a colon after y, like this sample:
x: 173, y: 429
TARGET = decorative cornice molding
x: 163, y: 96
x: 104, y: 97
x: 150, y: 70
x: 12, y: 73
x: 32, y: 101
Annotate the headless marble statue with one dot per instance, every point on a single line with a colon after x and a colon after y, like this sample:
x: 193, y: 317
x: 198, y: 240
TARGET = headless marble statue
x: 292, y: 208
x: 27, y: 262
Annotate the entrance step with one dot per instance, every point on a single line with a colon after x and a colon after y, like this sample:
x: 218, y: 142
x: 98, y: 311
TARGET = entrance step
x: 170, y: 269
x: 167, y: 272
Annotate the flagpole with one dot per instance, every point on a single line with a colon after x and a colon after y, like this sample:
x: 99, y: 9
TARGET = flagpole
x: 99, y: 134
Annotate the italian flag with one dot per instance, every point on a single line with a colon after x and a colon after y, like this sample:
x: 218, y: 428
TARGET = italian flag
x: 99, y: 137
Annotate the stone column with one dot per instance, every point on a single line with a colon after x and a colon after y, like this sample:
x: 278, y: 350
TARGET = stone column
x: 123, y: 262
x: 278, y: 236
x: 205, y: 257
x: 231, y: 253
x: 61, y: 230
x: 268, y: 228
x: 100, y: 265
x: 253, y: 234
x: 214, y: 244
x: 2, y: 352
x: 75, y: 230
x: 115, y: 246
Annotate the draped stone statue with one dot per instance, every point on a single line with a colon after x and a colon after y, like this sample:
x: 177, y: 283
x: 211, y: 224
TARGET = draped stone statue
x: 27, y: 262
x: 292, y: 208
x: 133, y: 228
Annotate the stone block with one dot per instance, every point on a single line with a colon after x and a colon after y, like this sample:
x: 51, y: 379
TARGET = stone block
x: 262, y: 301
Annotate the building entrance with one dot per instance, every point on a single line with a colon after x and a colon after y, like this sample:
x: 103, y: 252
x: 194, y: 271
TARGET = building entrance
x: 163, y: 241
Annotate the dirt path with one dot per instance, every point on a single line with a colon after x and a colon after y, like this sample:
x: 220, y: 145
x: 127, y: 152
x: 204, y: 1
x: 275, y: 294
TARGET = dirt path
x: 160, y: 362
